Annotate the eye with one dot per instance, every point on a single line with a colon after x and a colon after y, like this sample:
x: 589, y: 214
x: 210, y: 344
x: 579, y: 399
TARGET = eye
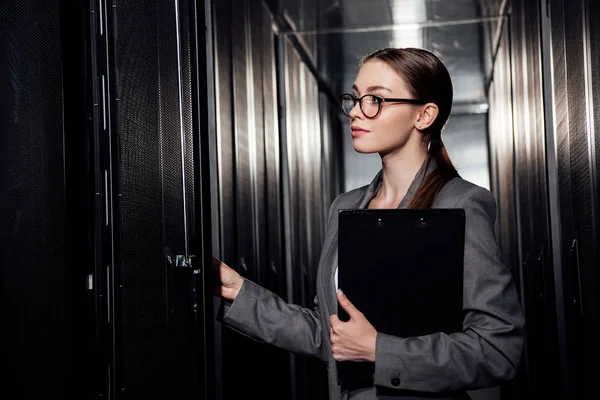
x: 371, y: 99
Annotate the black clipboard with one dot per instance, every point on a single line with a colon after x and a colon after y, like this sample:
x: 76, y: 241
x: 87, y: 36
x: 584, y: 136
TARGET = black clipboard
x: 403, y: 269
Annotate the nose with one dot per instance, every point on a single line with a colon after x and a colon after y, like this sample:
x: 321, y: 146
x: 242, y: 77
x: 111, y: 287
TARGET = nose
x: 356, y: 112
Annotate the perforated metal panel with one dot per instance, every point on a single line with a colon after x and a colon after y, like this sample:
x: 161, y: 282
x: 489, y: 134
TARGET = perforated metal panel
x: 32, y: 203
x: 159, y: 343
x: 586, y: 253
x: 576, y: 194
x: 542, y: 347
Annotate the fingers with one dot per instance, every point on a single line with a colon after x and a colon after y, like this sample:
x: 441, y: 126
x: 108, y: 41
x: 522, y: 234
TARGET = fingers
x: 352, y: 311
x: 334, y: 320
x: 335, y: 338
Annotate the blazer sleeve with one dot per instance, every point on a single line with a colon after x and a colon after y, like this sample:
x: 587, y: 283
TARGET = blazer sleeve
x: 489, y: 348
x: 266, y: 318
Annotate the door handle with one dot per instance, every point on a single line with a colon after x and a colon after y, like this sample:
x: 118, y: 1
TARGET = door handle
x: 542, y: 266
x: 181, y: 261
x: 576, y: 276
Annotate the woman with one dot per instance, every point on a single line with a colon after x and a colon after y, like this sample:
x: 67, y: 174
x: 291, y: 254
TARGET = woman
x: 400, y: 103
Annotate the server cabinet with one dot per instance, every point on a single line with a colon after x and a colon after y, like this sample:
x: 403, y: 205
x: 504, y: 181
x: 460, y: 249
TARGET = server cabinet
x: 54, y: 298
x: 160, y: 307
x: 538, y: 297
x: 275, y: 273
x: 522, y: 170
x: 304, y: 202
x: 572, y: 30
x: 33, y: 206
x: 561, y: 182
x: 249, y: 201
x: 503, y: 169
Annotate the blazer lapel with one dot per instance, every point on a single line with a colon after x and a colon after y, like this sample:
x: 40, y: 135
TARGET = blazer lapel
x: 424, y: 171
x: 370, y: 192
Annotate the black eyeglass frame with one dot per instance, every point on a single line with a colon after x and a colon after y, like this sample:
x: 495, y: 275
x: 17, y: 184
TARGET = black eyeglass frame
x: 379, y: 101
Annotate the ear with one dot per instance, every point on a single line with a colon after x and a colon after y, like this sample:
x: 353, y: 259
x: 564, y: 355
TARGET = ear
x: 427, y: 116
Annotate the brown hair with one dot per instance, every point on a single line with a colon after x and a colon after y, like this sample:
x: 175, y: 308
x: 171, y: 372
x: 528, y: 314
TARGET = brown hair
x: 426, y: 78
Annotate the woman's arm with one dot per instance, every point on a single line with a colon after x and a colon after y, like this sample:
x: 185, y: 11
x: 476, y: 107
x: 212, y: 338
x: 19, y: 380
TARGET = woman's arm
x: 265, y: 317
x: 489, y: 348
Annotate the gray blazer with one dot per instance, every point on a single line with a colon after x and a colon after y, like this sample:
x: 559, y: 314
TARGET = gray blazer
x: 486, y: 352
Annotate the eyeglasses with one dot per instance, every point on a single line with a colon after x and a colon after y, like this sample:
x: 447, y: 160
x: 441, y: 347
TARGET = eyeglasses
x: 370, y: 105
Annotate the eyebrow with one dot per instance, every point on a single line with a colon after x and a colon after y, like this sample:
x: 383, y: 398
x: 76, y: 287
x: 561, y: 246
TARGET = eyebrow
x: 372, y: 88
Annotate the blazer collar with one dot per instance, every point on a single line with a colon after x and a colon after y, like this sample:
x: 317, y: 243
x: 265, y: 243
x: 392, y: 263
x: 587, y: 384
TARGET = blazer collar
x: 373, y: 187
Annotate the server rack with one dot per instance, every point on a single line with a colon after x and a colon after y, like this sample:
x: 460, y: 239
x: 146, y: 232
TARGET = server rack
x: 553, y: 141
x: 105, y: 183
x: 249, y: 200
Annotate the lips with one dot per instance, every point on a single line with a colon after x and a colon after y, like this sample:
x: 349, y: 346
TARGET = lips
x: 358, y: 131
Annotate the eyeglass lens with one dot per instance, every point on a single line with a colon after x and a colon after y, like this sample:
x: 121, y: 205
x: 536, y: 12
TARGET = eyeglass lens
x: 369, y: 105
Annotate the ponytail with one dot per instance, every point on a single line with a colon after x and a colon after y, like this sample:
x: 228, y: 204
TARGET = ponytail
x: 435, y: 181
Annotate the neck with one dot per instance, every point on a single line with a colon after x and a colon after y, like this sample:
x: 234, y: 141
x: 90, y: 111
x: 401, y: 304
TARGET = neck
x: 398, y: 172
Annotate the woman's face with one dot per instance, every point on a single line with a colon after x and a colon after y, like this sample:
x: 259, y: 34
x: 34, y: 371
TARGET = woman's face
x: 394, y: 126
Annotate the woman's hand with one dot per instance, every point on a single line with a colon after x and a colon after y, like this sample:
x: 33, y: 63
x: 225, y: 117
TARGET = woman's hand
x: 227, y: 281
x: 353, y: 340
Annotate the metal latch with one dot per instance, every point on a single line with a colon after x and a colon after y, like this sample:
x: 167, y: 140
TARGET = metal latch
x: 181, y: 261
